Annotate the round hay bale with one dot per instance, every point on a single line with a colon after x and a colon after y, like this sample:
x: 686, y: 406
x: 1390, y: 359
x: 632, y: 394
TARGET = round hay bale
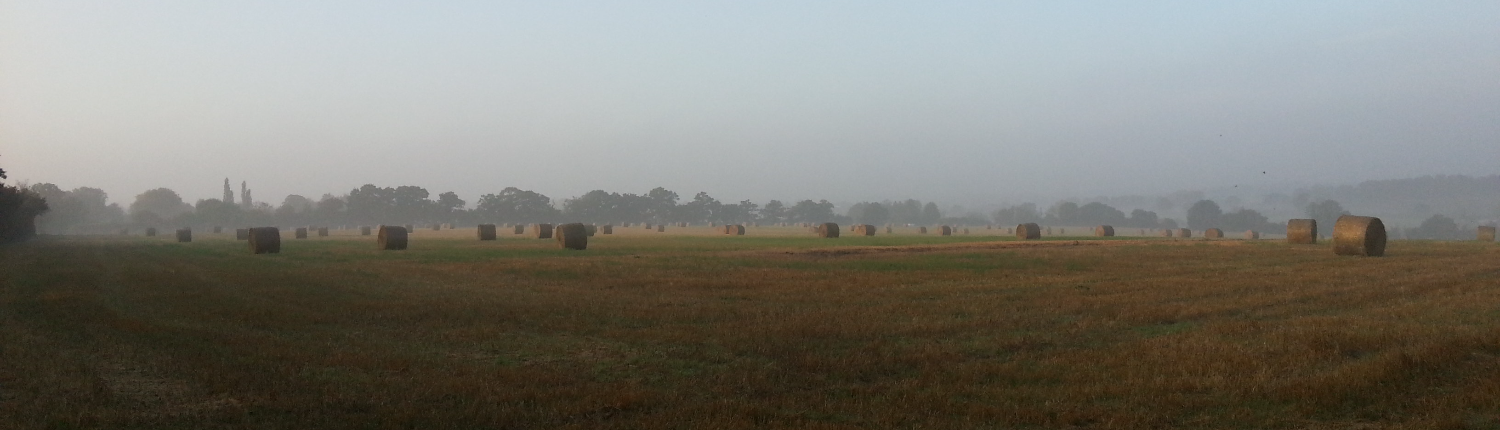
x: 1252, y: 235
x: 966, y: 230
x: 864, y: 230
x: 1104, y: 231
x: 487, y: 232
x: 921, y: 230
x: 242, y: 234
x: 648, y: 225
x: 1010, y: 230
x: 573, y: 236
x: 519, y: 229
x: 364, y: 230
x: 1062, y: 231
x: 828, y: 230
x: 264, y: 240
x: 1166, y: 233
x: 736, y: 230
x: 542, y: 231
x: 1302, y: 231
x: 184, y: 235
x: 944, y: 230
x: 1028, y: 231
x: 218, y: 229
x: 447, y: 226
x: 391, y: 238
x: 1184, y: 233
x: 606, y: 229
x: 661, y: 228
x: 1359, y: 235
x: 301, y: 232
x: 150, y: 231
x: 437, y: 227
x: 890, y: 230
x: 1213, y: 233
x: 322, y: 231
x: 1486, y: 233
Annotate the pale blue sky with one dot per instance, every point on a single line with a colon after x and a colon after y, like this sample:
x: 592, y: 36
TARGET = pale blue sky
x: 959, y: 102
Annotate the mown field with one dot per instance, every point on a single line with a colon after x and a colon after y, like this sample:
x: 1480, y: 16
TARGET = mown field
x: 761, y: 331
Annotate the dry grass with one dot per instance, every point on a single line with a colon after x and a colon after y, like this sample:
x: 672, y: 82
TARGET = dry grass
x: 748, y: 332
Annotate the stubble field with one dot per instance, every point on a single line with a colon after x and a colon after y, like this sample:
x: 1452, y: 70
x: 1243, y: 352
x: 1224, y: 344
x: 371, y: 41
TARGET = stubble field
x: 771, y: 330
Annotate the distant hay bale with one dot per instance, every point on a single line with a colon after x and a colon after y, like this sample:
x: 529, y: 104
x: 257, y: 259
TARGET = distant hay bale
x: 1062, y: 231
x: 1166, y: 233
x: 242, y: 234
x: 735, y: 230
x: 487, y: 232
x: 1359, y: 235
x: 966, y: 230
x: 1302, y: 231
x: 1486, y: 233
x: 1028, y: 231
x: 1184, y: 233
x: 447, y: 226
x: 391, y: 238
x: 661, y: 228
x: 1104, y: 231
x: 322, y: 231
x: 519, y: 229
x: 864, y: 230
x: 921, y: 230
x: 542, y: 231
x: 890, y: 230
x: 1213, y: 233
x: 1252, y: 235
x: 989, y: 227
x: 150, y: 231
x: 606, y: 229
x: 1010, y: 230
x: 301, y: 232
x: 648, y: 225
x: 218, y: 229
x: 828, y: 230
x: 364, y: 230
x: 184, y: 235
x: 573, y: 236
x: 1143, y: 232
x: 437, y: 227
x: 591, y: 229
x: 944, y: 230
x: 264, y: 240
x: 1049, y: 231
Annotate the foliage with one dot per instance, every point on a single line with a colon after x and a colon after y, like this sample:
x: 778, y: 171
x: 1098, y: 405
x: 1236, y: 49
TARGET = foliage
x: 1204, y: 214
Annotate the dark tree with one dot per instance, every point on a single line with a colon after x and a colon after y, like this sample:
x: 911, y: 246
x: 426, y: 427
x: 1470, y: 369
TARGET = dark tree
x: 1204, y: 214
x: 1326, y: 212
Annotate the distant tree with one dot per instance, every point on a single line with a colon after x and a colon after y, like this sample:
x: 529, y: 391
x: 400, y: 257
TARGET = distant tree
x: 1096, y: 213
x: 1143, y: 218
x: 810, y: 211
x: 1018, y: 214
x: 331, y: 210
x: 1204, y: 214
x: 703, y: 208
x: 773, y: 212
x: 295, y: 210
x: 1246, y: 219
x: 516, y: 205
x: 19, y: 208
x: 1063, y: 213
x: 1436, y: 227
x: 594, y: 206
x: 906, y: 212
x: 872, y: 213
x: 663, y: 204
x: 163, y: 203
x: 1326, y: 212
x: 228, y: 193
x: 245, y: 200
x: 930, y: 214
x: 449, y: 206
x: 218, y: 212
x: 1167, y: 223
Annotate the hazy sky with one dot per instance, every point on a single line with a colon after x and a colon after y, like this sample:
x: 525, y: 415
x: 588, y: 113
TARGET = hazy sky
x: 950, y: 101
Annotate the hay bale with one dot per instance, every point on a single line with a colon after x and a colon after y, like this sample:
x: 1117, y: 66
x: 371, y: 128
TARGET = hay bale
x: 242, y: 234
x: 890, y: 230
x: 1302, y: 231
x: 300, y: 232
x: 1028, y: 231
x: 486, y: 232
x: 1062, y: 231
x: 1486, y: 233
x: 648, y: 225
x: 1166, y: 233
x: 447, y: 226
x: 150, y: 231
x: 437, y: 227
x: 606, y: 229
x: 661, y: 228
x: 1104, y: 231
x: 218, y: 229
x: 944, y: 230
x: 1184, y: 233
x: 519, y: 229
x: 736, y: 230
x: 828, y: 230
x: 1213, y: 233
x: 921, y: 230
x: 573, y: 236
x: 264, y: 240
x: 1252, y: 235
x: 322, y: 231
x: 542, y: 231
x: 391, y: 238
x: 591, y: 229
x: 364, y: 230
x: 184, y: 235
x: 1359, y: 235
x: 864, y: 230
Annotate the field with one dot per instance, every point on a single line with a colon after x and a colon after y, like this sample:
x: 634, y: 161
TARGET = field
x: 775, y: 329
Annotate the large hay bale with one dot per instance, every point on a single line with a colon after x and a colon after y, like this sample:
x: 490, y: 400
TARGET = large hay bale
x: 1166, y: 232
x: 828, y: 230
x: 150, y: 231
x: 921, y: 230
x: 184, y: 235
x: 1184, y: 233
x: 1359, y: 235
x: 391, y: 238
x: 1213, y: 233
x: 591, y: 229
x: 573, y: 236
x: 966, y: 230
x: 606, y: 229
x: 661, y: 228
x: 486, y: 232
x: 1486, y: 233
x: 1302, y: 231
x: 542, y: 231
x: 218, y: 229
x: 1028, y: 231
x: 364, y: 230
x: 1104, y: 231
x: 944, y: 230
x: 736, y: 230
x: 242, y: 234
x: 447, y: 226
x: 300, y: 232
x: 864, y: 230
x: 520, y: 229
x: 264, y: 240
x: 322, y: 231
x: 1252, y: 235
